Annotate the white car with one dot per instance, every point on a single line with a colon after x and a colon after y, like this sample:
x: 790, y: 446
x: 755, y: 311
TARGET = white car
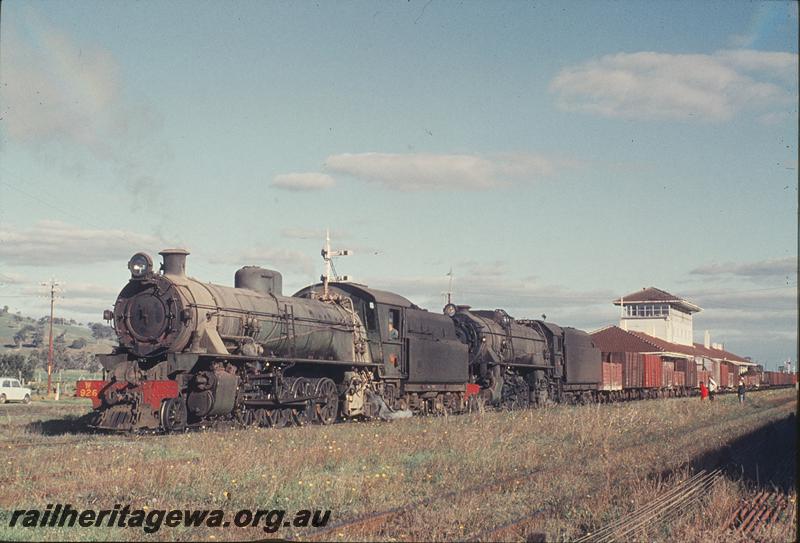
x: 12, y: 391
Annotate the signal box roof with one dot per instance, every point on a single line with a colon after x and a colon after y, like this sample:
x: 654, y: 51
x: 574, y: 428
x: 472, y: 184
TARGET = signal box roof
x: 656, y: 295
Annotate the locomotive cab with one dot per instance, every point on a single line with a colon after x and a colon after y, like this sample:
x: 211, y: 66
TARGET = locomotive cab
x: 383, y: 315
x: 409, y: 343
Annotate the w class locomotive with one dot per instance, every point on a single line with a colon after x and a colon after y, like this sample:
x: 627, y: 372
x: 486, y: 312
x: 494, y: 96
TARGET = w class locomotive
x: 193, y: 353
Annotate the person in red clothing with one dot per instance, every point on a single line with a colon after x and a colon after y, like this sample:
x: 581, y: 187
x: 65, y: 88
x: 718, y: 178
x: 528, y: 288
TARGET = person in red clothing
x: 703, y: 390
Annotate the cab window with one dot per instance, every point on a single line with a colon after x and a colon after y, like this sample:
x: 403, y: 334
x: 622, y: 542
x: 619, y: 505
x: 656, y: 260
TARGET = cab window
x: 393, y: 324
x: 370, y: 314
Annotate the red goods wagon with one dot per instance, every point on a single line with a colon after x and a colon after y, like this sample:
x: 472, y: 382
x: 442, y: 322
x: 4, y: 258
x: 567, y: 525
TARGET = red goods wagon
x: 724, y: 376
x: 752, y: 380
x: 669, y: 374
x: 612, y: 376
x: 702, y: 377
x: 773, y: 378
x: 679, y: 379
x: 689, y: 369
x: 632, y: 370
x: 653, y: 367
x: 615, y: 358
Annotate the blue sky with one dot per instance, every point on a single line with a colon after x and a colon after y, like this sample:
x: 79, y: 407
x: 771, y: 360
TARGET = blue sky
x: 556, y: 155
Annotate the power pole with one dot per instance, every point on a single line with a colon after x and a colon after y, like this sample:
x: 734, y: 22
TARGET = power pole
x: 52, y: 284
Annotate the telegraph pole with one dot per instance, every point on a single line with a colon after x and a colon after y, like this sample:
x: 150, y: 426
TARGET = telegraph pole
x: 52, y: 284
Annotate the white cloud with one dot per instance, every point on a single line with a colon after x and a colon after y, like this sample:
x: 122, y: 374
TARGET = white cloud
x: 312, y: 233
x: 67, y: 101
x: 303, y: 181
x: 763, y: 268
x: 741, y: 40
x: 774, y: 118
x: 486, y: 270
x: 86, y: 299
x: 772, y: 63
x: 422, y: 171
x: 8, y: 278
x: 766, y: 299
x: 649, y: 85
x: 52, y: 243
x: 281, y: 260
x: 57, y: 90
x: 521, y: 298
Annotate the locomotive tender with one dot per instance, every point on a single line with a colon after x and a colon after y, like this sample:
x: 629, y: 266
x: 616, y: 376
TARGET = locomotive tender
x: 192, y: 353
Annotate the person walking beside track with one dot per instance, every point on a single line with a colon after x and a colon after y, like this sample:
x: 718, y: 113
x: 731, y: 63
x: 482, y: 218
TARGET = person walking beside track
x: 741, y: 390
x: 703, y: 390
x: 712, y: 388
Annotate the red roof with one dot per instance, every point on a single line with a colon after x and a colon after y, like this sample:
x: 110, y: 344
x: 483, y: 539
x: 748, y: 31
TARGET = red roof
x: 666, y: 346
x: 614, y: 339
x: 718, y: 353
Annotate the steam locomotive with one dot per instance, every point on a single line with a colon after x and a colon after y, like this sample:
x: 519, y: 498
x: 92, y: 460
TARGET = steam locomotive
x: 193, y: 353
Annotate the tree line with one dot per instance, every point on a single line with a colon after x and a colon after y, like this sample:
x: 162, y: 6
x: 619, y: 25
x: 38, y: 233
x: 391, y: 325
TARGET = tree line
x: 34, y: 334
x: 21, y: 365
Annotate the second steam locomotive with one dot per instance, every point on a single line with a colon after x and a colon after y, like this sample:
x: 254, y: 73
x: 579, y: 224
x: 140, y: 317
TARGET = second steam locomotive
x: 192, y: 353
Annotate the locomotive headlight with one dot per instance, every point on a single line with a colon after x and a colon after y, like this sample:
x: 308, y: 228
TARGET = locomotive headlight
x: 140, y: 265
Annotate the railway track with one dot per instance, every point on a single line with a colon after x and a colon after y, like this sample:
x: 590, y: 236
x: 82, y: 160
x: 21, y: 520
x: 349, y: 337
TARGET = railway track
x: 27, y: 444
x: 759, y: 513
x: 369, y: 521
x: 53, y: 442
x: 668, y: 506
x: 750, y: 519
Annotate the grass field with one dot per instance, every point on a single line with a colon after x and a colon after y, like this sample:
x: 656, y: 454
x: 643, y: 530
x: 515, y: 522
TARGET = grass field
x: 580, y: 467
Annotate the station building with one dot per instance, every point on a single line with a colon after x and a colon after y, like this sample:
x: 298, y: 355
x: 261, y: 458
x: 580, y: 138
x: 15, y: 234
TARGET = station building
x: 653, y: 321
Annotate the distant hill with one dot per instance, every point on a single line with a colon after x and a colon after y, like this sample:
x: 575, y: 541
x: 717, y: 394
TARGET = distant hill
x: 77, y: 337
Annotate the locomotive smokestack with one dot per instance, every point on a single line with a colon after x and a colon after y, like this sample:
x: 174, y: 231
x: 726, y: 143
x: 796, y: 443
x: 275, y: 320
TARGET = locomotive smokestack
x: 174, y: 261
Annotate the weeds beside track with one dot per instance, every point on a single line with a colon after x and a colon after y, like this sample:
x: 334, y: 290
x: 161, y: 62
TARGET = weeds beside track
x: 377, y: 522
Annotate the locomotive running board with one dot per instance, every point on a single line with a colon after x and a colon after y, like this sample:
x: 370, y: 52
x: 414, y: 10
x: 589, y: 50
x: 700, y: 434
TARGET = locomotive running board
x: 289, y: 360
x: 418, y: 387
